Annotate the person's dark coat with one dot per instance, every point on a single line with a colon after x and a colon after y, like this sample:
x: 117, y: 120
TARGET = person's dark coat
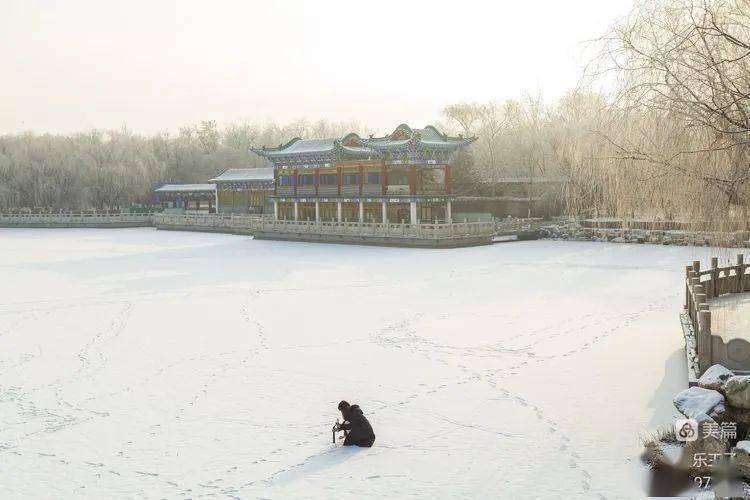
x: 360, y: 431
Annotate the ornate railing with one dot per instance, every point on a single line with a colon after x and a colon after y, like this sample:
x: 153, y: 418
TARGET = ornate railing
x: 258, y: 223
x: 74, y: 219
x: 254, y: 223
x: 700, y: 287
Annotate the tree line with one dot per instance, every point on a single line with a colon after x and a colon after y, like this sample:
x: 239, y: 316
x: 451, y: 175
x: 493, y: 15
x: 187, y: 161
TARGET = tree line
x: 110, y: 169
x: 669, y: 139
x: 667, y: 135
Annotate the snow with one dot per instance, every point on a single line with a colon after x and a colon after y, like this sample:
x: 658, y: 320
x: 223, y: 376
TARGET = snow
x: 715, y: 377
x: 698, y: 402
x: 744, y: 446
x: 730, y: 316
x: 143, y: 363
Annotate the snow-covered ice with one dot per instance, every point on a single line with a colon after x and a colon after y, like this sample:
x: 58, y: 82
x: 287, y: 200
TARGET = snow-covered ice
x: 730, y: 316
x: 143, y: 363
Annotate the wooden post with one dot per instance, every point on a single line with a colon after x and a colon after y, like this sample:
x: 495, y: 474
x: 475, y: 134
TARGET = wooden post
x: 688, y: 281
x: 740, y: 273
x: 699, y: 295
x: 714, y: 277
x: 412, y: 180
x: 703, y: 341
x: 695, y: 282
x: 697, y: 266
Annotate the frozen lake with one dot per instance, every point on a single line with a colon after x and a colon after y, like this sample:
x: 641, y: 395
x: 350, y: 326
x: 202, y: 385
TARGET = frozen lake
x: 137, y: 363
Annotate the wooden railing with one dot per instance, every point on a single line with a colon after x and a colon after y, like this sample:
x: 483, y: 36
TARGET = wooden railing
x: 251, y: 223
x: 700, y: 287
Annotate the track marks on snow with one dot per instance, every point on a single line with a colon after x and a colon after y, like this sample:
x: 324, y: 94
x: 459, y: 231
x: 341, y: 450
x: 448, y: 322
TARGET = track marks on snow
x: 403, y: 335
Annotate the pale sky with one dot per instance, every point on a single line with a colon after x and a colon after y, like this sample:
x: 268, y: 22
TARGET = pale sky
x: 157, y: 65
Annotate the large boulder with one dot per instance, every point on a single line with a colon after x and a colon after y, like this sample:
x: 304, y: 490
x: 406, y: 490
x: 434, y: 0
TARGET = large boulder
x: 737, y: 390
x: 741, y: 416
x: 698, y: 403
x: 715, y: 378
x: 708, y: 445
x: 741, y: 458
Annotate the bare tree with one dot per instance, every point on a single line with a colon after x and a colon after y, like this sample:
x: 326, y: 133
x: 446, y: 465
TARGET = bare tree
x: 683, y: 70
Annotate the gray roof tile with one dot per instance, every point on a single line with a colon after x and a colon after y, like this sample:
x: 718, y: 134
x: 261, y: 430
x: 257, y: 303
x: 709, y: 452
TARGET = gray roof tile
x: 184, y: 188
x: 245, y: 174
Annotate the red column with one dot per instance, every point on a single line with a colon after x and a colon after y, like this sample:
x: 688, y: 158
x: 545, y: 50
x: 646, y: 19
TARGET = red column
x: 338, y: 175
x: 384, y: 178
x: 412, y: 180
x: 294, y: 182
x: 361, y: 179
x: 317, y: 180
x: 447, y: 179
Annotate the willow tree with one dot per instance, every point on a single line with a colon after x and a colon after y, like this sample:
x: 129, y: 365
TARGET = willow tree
x: 684, y: 66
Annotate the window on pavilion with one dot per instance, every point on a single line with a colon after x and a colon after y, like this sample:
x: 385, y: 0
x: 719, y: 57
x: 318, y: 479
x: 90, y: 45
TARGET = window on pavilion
x: 328, y: 179
x: 351, y: 179
x: 306, y: 180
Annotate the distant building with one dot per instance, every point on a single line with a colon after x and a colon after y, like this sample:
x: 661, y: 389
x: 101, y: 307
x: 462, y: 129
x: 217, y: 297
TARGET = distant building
x: 402, y: 177
x: 517, y: 196
x: 182, y: 198
x: 245, y: 190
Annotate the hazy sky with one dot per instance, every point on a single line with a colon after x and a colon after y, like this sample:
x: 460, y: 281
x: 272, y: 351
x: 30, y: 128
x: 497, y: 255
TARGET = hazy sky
x: 154, y: 65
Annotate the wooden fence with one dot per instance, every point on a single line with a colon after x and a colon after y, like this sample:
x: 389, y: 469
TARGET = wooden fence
x: 690, y: 225
x: 700, y: 287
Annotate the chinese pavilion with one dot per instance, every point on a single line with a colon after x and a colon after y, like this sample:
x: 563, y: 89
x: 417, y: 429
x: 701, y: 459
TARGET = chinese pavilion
x: 402, y: 177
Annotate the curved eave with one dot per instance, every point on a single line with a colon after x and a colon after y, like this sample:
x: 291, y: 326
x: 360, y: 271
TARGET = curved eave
x: 266, y: 152
x: 450, y: 143
x: 282, y: 154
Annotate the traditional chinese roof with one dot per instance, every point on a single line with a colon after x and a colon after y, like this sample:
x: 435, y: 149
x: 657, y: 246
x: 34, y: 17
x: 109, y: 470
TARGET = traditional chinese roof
x: 315, y: 152
x: 185, y: 188
x: 245, y: 175
x: 405, y: 145
x: 428, y: 138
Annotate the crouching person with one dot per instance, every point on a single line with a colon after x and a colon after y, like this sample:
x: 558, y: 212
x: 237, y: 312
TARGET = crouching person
x: 357, y: 429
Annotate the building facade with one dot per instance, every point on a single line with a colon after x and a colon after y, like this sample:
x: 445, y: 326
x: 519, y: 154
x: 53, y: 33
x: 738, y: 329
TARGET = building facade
x: 181, y: 198
x: 245, y: 191
x: 402, y: 177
